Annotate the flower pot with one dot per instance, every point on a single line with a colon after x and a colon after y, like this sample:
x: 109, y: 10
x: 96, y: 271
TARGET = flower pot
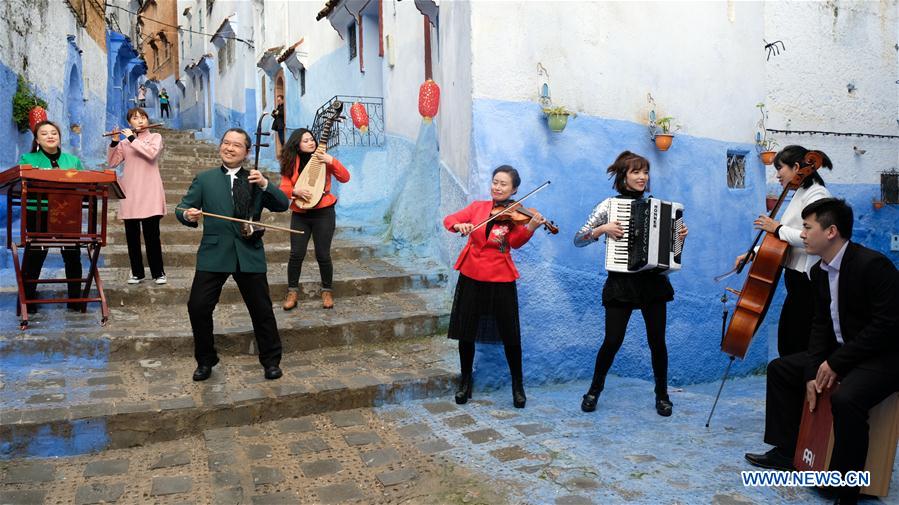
x: 770, y: 202
x: 878, y: 204
x: 767, y: 157
x: 663, y: 141
x: 557, y: 122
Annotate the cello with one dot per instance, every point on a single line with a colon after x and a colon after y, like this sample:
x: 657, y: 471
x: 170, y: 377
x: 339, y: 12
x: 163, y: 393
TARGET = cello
x: 764, y: 274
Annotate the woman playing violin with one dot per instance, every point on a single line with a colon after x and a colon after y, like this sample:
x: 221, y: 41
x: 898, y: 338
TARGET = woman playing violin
x: 795, y: 323
x: 485, y: 306
x: 647, y: 291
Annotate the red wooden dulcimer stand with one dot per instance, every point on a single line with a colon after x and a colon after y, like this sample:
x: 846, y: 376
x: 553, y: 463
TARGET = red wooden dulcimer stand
x: 764, y: 274
x: 69, y: 207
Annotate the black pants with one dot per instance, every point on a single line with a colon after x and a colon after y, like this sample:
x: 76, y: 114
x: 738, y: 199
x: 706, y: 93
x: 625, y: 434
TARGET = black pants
x: 795, y: 323
x: 617, y: 317
x: 204, y: 296
x: 280, y: 132
x: 513, y: 358
x: 150, y: 226
x: 319, y: 225
x: 164, y: 110
x: 34, y: 257
x: 860, y: 390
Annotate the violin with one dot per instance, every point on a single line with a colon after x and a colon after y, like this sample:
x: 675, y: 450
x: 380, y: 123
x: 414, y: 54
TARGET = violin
x: 514, y: 212
x: 764, y: 274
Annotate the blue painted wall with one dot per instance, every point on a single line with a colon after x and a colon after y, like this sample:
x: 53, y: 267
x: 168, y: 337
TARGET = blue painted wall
x: 560, y: 288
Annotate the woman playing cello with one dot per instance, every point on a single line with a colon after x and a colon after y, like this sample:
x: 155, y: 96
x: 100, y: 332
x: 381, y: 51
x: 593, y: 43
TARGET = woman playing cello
x: 796, y: 314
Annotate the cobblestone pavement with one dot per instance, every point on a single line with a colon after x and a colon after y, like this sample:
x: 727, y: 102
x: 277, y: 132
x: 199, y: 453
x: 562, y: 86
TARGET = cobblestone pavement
x: 432, y: 451
x: 351, y: 456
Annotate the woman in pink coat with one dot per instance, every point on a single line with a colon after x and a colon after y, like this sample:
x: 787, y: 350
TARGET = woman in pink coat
x: 144, y: 202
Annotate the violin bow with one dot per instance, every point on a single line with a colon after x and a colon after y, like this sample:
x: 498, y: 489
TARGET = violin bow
x: 510, y: 208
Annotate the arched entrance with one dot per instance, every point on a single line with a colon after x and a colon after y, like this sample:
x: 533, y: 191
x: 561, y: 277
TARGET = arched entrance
x: 74, y: 108
x: 279, y: 91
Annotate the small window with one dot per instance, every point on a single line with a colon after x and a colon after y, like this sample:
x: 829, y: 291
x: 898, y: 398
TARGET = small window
x: 736, y: 170
x: 302, y: 81
x: 351, y: 39
x: 889, y: 187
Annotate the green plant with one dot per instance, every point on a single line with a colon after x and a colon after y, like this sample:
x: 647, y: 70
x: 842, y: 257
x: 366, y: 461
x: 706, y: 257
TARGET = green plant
x: 22, y: 102
x: 558, y: 111
x: 665, y: 124
x: 761, y: 137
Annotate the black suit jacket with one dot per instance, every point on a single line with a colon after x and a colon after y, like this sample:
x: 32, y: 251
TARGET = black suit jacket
x: 869, y: 315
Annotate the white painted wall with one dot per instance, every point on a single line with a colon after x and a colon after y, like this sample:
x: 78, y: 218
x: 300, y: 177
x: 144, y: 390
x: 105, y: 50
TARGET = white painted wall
x: 853, y: 42
x: 700, y: 60
x: 404, y: 24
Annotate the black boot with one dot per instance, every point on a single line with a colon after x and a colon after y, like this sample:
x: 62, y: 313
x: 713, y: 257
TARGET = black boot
x: 588, y: 404
x: 463, y: 393
x: 518, y: 397
x: 664, y: 406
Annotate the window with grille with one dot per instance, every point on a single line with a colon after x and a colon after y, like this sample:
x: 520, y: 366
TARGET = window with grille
x: 351, y: 39
x: 736, y: 170
x: 889, y: 187
x: 302, y: 81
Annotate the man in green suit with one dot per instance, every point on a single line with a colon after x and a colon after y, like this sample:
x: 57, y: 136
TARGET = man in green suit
x: 231, y: 190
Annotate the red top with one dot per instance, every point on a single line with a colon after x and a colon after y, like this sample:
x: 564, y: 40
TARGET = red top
x: 335, y: 167
x: 484, y: 259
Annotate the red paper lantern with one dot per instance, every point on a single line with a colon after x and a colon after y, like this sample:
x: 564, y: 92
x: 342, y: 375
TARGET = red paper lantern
x: 360, y: 117
x: 35, y: 116
x: 428, y: 100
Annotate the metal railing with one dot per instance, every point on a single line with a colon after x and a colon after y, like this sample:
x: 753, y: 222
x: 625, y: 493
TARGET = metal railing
x: 343, y: 132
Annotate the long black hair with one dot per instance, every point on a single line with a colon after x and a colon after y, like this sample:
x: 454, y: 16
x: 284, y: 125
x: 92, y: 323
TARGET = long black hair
x: 292, y: 149
x: 34, y: 144
x: 791, y: 155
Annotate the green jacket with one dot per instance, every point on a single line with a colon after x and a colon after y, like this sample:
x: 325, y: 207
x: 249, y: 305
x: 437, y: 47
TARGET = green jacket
x: 222, y: 247
x: 38, y: 159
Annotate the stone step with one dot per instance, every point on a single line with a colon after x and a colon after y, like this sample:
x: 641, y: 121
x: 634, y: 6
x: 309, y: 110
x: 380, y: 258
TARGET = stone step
x: 171, y: 232
x: 175, y: 255
x: 141, y: 331
x: 96, y: 405
x: 351, y: 278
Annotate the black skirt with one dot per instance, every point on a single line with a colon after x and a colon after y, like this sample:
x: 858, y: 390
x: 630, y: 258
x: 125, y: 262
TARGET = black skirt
x: 485, y: 312
x: 637, y: 290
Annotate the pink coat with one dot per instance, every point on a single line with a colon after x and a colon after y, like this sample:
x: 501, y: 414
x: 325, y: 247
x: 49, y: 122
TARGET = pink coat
x: 140, y: 180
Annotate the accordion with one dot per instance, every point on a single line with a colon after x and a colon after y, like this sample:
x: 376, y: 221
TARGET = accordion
x: 651, y: 238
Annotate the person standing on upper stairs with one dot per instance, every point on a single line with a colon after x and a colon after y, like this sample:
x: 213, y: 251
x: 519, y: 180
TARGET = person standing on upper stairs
x: 144, y: 202
x: 318, y: 222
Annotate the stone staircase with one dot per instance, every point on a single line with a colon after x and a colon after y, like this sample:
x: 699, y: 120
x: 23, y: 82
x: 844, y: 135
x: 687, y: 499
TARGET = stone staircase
x: 69, y: 385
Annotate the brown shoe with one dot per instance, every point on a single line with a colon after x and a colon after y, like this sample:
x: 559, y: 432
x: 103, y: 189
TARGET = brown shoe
x: 290, y: 301
x: 327, y: 300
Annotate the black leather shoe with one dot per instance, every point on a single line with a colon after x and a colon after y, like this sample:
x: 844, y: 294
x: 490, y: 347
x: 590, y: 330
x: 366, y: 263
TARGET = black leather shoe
x: 664, y: 406
x: 518, y: 397
x: 589, y: 402
x: 202, y: 372
x: 273, y: 372
x: 463, y: 393
x: 775, y: 459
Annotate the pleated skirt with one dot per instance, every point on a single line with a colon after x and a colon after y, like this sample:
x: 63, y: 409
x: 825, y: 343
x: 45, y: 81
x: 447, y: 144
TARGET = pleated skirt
x: 485, y: 312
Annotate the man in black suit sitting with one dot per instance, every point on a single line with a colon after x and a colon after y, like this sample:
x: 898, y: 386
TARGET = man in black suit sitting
x: 854, y: 340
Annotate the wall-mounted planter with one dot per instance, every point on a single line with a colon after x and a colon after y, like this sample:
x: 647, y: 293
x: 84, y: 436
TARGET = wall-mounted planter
x: 663, y: 141
x: 878, y: 204
x: 767, y: 157
x: 557, y: 122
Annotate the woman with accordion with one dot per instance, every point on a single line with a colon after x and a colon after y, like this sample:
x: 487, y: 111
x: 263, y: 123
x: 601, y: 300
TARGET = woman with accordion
x: 648, y: 290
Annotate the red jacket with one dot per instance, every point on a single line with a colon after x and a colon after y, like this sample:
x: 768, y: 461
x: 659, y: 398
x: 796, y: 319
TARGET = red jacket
x: 484, y: 259
x: 340, y: 172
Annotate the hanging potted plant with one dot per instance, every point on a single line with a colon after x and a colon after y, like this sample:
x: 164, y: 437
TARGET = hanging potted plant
x: 764, y: 144
x: 24, y: 101
x: 665, y: 137
x: 557, y: 117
